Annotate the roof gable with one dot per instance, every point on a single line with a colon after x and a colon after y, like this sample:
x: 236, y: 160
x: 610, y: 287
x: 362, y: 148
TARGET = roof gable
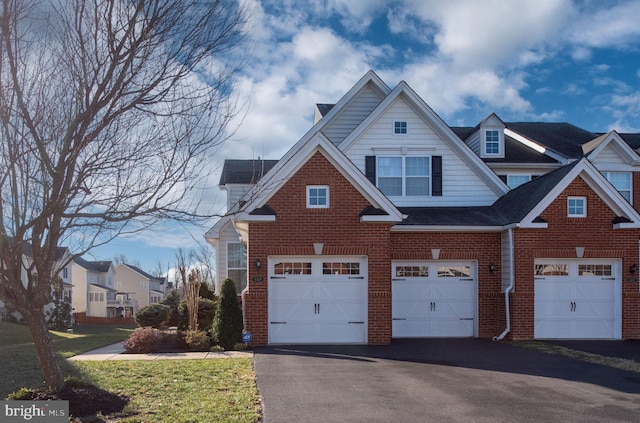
x: 524, y: 204
x: 281, y: 174
x: 444, y: 133
x: 610, y: 147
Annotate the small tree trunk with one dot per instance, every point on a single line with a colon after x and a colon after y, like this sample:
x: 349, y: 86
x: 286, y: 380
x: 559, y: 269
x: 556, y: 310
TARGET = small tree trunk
x: 44, y: 349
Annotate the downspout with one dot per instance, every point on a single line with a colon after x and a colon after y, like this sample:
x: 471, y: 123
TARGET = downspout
x: 509, y: 288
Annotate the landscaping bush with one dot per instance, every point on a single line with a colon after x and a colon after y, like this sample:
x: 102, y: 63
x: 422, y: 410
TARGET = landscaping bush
x: 143, y: 340
x: 227, y: 324
x: 207, y: 291
x: 153, y: 315
x: 172, y: 300
x: 196, y: 340
x: 206, y: 313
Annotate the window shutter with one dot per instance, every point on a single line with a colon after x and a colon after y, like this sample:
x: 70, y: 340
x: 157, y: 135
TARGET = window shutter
x: 370, y: 168
x: 436, y: 176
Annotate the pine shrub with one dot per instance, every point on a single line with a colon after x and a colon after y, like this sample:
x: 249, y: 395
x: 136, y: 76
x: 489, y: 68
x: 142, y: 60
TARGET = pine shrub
x: 153, y: 315
x: 206, y: 313
x: 227, y: 324
x: 172, y: 300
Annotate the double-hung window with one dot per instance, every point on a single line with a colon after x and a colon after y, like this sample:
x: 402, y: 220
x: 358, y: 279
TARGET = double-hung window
x: 237, y: 265
x: 492, y: 142
x: 621, y: 181
x: 404, y: 176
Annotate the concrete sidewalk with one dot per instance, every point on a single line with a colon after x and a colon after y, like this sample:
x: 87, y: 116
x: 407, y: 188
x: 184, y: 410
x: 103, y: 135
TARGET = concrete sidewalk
x: 117, y: 352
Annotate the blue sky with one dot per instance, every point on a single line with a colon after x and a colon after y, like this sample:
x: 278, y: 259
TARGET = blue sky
x: 525, y: 60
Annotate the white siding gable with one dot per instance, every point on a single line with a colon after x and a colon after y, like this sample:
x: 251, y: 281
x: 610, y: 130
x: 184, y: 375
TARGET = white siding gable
x: 353, y: 114
x: 611, y: 159
x: 462, y: 186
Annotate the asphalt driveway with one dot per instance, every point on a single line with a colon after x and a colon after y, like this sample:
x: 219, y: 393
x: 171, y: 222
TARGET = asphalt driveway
x: 439, y: 380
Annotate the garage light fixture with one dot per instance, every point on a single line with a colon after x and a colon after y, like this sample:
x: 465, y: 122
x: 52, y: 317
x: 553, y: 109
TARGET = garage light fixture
x: 258, y: 264
x: 633, y: 269
x: 492, y: 268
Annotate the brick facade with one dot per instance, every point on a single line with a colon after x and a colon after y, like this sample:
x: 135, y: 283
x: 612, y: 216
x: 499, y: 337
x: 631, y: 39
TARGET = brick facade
x: 595, y: 233
x: 297, y: 228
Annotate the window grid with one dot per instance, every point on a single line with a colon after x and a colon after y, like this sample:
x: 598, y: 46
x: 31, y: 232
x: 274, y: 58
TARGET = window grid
x: 492, y: 142
x: 292, y: 268
x: 318, y: 196
x: 577, y: 206
x: 404, y: 176
x: 454, y: 271
x: 337, y: 268
x: 400, y: 127
x: 412, y: 271
x: 545, y: 269
x: 595, y: 270
x: 621, y: 181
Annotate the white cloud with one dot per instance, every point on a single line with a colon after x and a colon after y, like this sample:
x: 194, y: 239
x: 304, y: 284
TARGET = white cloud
x: 615, y: 25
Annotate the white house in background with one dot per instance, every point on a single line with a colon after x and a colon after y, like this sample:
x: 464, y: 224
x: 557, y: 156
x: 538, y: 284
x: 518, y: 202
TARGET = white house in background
x: 136, y: 288
x: 63, y: 256
x: 93, y: 288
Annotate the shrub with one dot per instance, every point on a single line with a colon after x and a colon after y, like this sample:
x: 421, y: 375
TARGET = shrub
x: 21, y: 394
x: 227, y: 324
x: 207, y: 291
x: 153, y: 315
x: 143, y: 340
x: 172, y: 300
x: 196, y: 340
x: 206, y: 313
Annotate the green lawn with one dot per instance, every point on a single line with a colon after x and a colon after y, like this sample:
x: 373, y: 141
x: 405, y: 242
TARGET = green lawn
x: 18, y: 361
x: 181, y: 391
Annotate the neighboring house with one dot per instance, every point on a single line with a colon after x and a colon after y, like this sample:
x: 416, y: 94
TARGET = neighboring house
x: 63, y: 256
x: 382, y: 221
x: 237, y: 179
x: 136, y: 288
x: 93, y: 289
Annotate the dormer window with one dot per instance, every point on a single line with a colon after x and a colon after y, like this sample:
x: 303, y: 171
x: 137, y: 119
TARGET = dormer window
x: 400, y: 127
x: 492, y: 142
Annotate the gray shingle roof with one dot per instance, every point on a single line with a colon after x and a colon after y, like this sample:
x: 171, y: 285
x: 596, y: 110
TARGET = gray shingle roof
x: 510, y: 208
x: 562, y: 138
x: 244, y: 171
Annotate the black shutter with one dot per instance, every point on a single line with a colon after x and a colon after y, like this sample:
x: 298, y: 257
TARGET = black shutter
x: 370, y: 168
x: 436, y: 176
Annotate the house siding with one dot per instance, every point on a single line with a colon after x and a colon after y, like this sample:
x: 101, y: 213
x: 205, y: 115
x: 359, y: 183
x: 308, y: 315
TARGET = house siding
x: 353, y: 114
x: 595, y: 233
x: 461, y: 186
x: 296, y: 229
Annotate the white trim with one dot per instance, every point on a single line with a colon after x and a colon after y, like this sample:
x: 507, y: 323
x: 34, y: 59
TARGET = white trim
x: 535, y: 146
x: 444, y: 132
x: 445, y: 228
x: 327, y: 197
x: 619, y: 145
x: 583, y: 206
x: 599, y: 184
x: 267, y: 187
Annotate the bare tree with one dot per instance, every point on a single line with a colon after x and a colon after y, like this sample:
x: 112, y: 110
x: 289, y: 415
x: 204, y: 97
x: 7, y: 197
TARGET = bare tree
x: 110, y: 111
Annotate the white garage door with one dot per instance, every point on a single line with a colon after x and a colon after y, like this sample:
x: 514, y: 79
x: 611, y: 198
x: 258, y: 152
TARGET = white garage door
x: 577, y: 299
x: 434, y: 299
x: 317, y: 300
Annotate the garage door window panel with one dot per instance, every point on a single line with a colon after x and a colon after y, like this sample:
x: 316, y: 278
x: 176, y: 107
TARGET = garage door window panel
x: 548, y: 269
x: 412, y: 271
x: 292, y: 268
x: 341, y: 268
x: 454, y: 271
x: 595, y: 270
